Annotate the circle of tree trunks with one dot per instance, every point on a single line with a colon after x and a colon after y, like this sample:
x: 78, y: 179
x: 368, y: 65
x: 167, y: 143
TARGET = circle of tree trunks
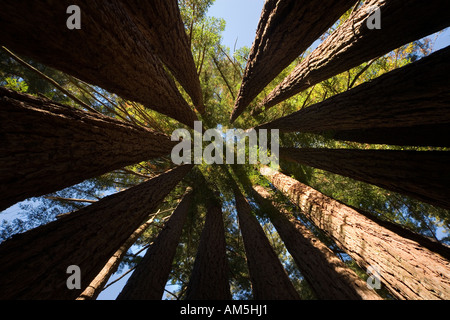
x: 353, y: 43
x: 285, y: 30
x: 423, y: 175
x: 209, y: 279
x: 404, y: 100
x: 326, y: 274
x: 407, y: 269
x: 47, y: 146
x: 33, y: 265
x: 150, y: 277
x: 110, y: 50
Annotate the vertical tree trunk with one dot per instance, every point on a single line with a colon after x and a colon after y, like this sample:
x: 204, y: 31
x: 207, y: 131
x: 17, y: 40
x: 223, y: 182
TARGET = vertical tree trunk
x: 407, y: 269
x: 285, y: 30
x: 150, y: 277
x: 109, y: 51
x: 97, y: 285
x: 268, y: 277
x: 327, y: 275
x: 209, y: 279
x: 161, y: 24
x: 353, y: 43
x: 415, y: 96
x: 46, y: 147
x: 424, y: 175
x: 34, y: 265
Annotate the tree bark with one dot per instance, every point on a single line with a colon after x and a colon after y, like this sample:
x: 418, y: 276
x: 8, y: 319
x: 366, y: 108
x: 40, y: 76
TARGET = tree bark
x: 285, y: 30
x: 268, y: 277
x: 424, y: 175
x: 150, y: 277
x: 353, y: 43
x: 161, y: 24
x: 407, y: 269
x: 97, y: 285
x: 327, y: 275
x: 109, y: 51
x: 47, y: 147
x: 209, y: 279
x: 415, y: 96
x: 34, y: 265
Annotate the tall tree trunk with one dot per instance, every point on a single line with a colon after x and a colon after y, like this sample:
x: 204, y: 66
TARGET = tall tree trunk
x: 34, y: 265
x: 209, y: 279
x: 393, y: 101
x: 268, y: 277
x: 97, y: 285
x: 47, y: 146
x: 150, y: 277
x: 160, y: 22
x: 285, y: 30
x: 109, y: 51
x: 407, y: 269
x: 353, y: 43
x: 327, y: 275
x: 424, y: 175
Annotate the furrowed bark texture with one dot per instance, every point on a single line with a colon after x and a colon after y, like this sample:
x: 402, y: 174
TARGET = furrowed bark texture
x: 268, y: 277
x: 407, y: 269
x: 417, y: 95
x: 109, y: 51
x: 46, y: 147
x: 209, y: 279
x: 353, y: 43
x: 285, y: 30
x: 161, y: 24
x: 150, y: 277
x: 424, y: 175
x: 327, y: 275
x: 97, y: 285
x: 34, y: 265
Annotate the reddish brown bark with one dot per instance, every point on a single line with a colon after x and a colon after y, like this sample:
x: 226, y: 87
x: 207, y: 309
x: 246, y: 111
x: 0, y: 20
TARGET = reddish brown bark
x: 268, y: 277
x: 404, y: 100
x: 407, y: 269
x: 161, y: 24
x: 110, y: 50
x: 353, y: 43
x: 47, y: 147
x: 285, y: 30
x: 423, y: 175
x: 150, y: 277
x: 34, y: 265
x: 209, y: 279
x: 326, y: 274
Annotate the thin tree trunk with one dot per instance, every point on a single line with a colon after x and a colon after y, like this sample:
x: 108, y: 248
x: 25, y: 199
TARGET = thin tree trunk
x: 268, y: 277
x: 34, y: 265
x: 150, y: 277
x: 327, y: 275
x: 407, y: 269
x: 209, y: 279
x: 97, y: 285
x: 415, y: 95
x: 353, y: 43
x: 285, y: 30
x: 110, y: 50
x: 47, y: 146
x: 160, y: 22
x: 424, y: 175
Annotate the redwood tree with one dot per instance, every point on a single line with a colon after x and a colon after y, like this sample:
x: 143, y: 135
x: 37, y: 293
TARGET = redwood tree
x: 354, y: 43
x: 407, y: 269
x: 150, y: 277
x: 47, y: 146
x: 33, y: 265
